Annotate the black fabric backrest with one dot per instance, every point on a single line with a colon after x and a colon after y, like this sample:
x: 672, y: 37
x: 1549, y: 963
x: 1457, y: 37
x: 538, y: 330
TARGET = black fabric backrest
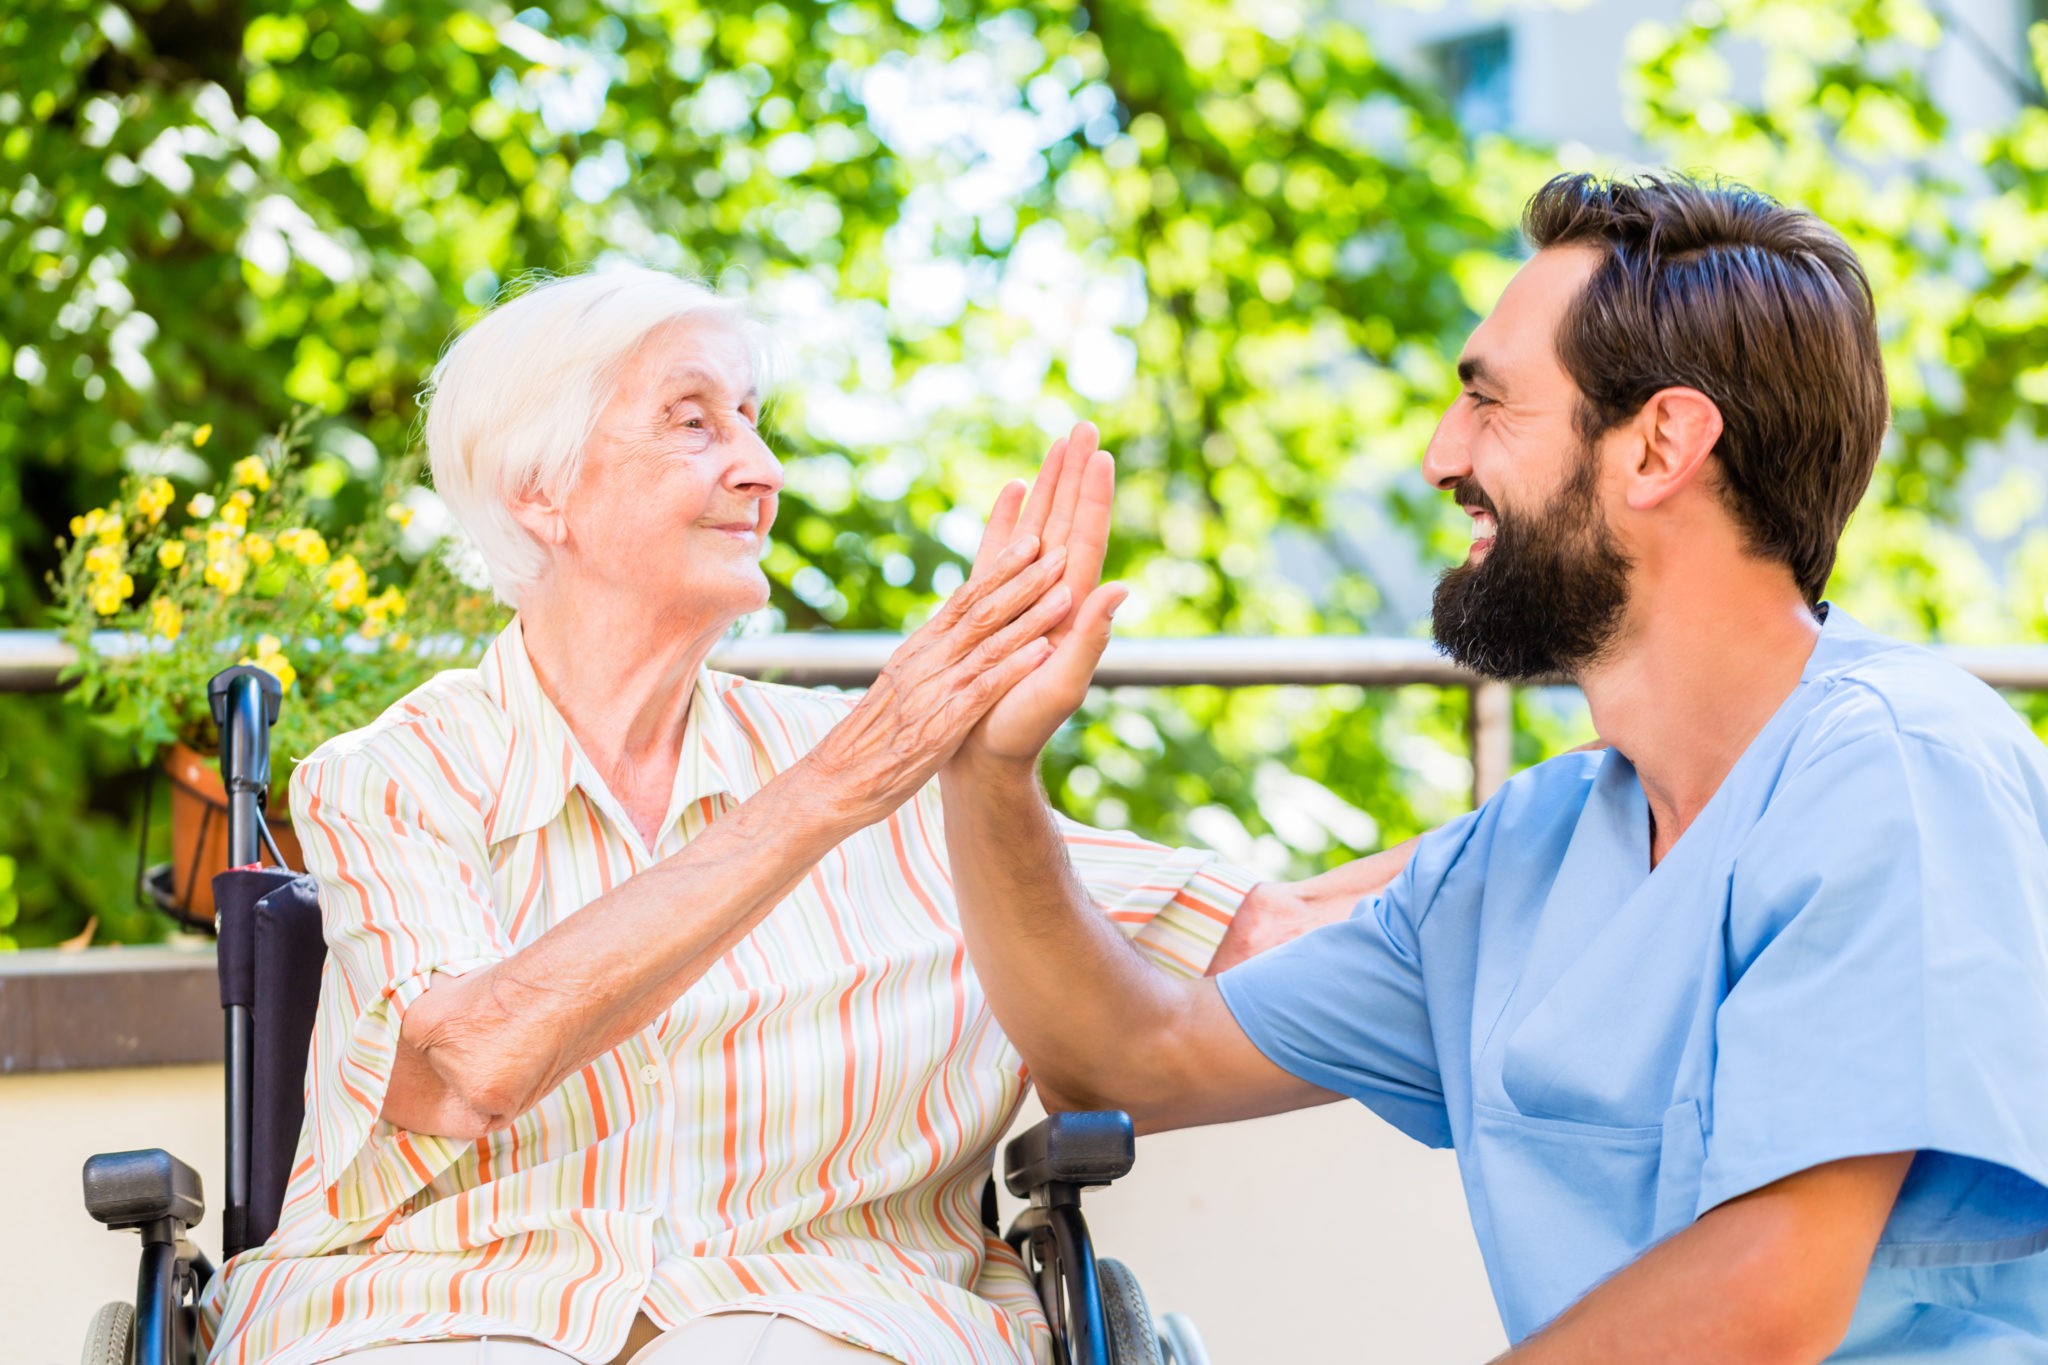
x: 272, y: 951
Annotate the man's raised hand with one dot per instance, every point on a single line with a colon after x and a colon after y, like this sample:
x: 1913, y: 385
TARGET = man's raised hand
x: 1068, y: 507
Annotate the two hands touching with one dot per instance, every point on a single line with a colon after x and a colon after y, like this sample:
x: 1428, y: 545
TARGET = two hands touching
x: 1007, y: 658
x: 975, y: 695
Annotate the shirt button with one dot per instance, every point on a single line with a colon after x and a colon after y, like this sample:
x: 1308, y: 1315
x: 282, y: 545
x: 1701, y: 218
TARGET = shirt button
x: 650, y: 1073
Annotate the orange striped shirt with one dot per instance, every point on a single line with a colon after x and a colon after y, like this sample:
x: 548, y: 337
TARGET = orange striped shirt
x: 805, y: 1131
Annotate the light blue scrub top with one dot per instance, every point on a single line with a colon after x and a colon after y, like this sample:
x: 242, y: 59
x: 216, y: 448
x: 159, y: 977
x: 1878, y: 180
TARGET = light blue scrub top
x: 1845, y: 954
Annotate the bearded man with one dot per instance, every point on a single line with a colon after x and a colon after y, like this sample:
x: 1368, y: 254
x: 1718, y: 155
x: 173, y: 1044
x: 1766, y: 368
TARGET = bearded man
x: 1739, y: 1025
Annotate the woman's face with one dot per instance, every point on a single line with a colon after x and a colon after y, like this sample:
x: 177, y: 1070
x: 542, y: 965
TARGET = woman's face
x: 678, y: 489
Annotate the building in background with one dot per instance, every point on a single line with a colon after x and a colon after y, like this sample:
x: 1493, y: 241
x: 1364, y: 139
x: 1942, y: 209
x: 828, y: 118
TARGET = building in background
x: 1553, y: 73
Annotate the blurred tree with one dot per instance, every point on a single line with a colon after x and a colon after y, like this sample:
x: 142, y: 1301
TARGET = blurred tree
x: 1228, y: 233
x: 1240, y: 247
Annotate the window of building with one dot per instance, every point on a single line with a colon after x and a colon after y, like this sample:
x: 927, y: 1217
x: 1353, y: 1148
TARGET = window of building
x: 1475, y: 69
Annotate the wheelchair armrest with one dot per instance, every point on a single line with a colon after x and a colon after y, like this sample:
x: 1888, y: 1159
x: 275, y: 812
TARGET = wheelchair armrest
x: 136, y: 1189
x: 1079, y: 1149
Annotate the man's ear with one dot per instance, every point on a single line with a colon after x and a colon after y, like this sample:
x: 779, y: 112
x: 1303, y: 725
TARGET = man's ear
x: 538, y: 510
x: 1679, y: 428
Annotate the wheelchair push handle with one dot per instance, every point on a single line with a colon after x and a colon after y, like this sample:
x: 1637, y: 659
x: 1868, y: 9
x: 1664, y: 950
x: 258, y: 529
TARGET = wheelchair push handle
x: 245, y: 702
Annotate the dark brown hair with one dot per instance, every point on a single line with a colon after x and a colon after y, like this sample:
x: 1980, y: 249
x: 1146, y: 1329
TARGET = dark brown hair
x: 1763, y: 309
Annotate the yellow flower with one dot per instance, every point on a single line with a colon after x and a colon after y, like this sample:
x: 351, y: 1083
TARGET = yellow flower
x: 200, y: 438
x: 83, y: 526
x: 226, y: 574
x: 155, y: 499
x: 399, y: 513
x: 259, y: 549
x: 106, y: 561
x: 166, y: 618
x: 400, y: 640
x: 304, y: 545
x: 270, y: 658
x: 226, y: 568
x: 112, y: 528
x: 201, y: 505
x: 171, y: 553
x: 378, y: 611
x: 109, y: 594
x: 253, y: 473
x: 234, y: 514
x: 349, y: 584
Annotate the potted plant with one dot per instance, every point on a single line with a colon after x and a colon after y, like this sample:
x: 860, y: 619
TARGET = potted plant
x: 166, y: 585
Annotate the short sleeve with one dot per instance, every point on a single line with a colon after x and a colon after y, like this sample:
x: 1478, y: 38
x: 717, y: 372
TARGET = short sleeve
x: 400, y: 899
x: 1175, y: 903
x: 1345, y: 1008
x: 1889, y: 930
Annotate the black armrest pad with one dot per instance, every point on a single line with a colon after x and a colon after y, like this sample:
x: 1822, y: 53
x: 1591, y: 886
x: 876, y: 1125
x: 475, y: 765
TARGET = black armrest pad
x: 1083, y: 1149
x: 130, y: 1189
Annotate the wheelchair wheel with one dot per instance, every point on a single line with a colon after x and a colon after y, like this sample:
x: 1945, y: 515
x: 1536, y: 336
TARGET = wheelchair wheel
x: 1180, y: 1343
x: 1133, y: 1340
x: 110, y: 1340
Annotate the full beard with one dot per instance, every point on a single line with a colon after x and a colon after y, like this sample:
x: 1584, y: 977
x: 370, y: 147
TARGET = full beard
x: 1547, y: 598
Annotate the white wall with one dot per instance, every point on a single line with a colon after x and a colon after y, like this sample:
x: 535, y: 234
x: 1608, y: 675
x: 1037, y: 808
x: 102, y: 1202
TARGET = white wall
x: 56, y: 1264
x: 1313, y: 1238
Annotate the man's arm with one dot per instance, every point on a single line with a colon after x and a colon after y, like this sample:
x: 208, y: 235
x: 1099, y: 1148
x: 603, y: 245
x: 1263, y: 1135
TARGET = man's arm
x: 1770, y: 1278
x: 1099, y: 1027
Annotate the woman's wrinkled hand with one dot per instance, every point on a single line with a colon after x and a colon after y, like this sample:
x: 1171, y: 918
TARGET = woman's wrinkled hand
x: 941, y: 681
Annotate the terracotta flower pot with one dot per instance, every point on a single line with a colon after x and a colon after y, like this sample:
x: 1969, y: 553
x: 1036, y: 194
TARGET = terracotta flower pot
x: 199, y: 832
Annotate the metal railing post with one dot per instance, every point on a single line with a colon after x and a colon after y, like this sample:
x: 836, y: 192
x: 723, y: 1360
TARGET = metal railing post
x: 1490, y: 726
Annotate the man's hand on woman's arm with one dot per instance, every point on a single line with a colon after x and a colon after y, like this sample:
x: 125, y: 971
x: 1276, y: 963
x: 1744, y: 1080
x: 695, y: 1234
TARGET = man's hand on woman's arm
x: 476, y: 1051
x: 1770, y: 1278
x: 1280, y: 912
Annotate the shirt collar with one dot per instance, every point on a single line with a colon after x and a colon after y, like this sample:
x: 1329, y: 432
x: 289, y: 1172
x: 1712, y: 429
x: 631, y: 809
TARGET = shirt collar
x: 544, y: 761
x: 1843, y: 643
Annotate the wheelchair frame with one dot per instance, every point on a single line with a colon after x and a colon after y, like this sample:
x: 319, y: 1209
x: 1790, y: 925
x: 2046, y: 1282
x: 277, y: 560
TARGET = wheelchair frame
x: 160, y: 1197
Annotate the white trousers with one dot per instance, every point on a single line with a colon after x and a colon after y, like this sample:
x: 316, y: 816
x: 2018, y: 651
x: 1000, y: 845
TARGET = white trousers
x: 720, y: 1339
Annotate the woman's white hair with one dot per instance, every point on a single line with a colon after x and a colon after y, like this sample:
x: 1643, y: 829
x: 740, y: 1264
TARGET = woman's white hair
x: 512, y: 403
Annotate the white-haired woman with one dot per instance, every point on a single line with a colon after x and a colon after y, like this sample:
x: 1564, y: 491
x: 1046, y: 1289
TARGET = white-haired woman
x: 647, y: 1030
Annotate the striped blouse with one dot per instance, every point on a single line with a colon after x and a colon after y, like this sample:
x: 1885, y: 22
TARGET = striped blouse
x: 806, y: 1130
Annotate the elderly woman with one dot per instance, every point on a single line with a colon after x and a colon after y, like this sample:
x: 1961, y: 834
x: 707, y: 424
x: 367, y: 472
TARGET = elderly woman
x: 647, y: 1030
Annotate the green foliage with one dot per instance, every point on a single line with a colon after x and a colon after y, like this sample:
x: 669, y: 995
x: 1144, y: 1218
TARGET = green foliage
x: 10, y: 904
x: 215, y: 210
x: 70, y: 832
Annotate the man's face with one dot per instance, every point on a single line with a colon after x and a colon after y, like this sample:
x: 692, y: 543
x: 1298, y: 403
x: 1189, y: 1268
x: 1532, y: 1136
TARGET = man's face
x: 1545, y: 585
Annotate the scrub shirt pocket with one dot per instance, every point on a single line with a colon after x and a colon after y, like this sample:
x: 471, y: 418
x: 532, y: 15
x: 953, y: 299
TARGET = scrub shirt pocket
x: 1589, y: 1199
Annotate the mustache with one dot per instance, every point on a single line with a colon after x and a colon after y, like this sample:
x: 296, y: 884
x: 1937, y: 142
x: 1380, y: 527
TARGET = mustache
x: 1469, y: 494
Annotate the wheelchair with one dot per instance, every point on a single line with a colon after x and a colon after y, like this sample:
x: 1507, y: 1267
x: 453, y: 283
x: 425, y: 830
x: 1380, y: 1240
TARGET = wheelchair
x: 271, y: 952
